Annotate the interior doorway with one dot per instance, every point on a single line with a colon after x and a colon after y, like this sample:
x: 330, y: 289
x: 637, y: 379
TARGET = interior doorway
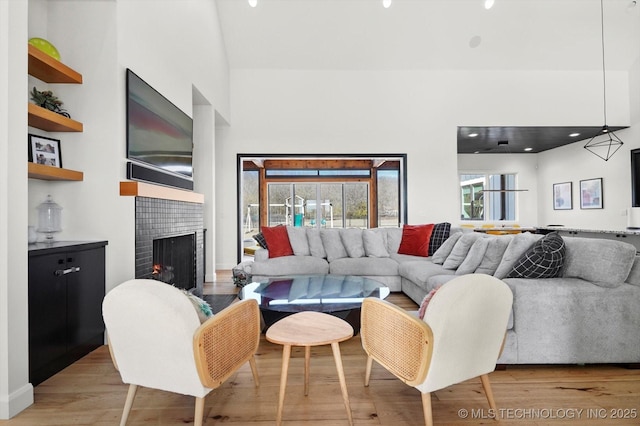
x: 319, y: 191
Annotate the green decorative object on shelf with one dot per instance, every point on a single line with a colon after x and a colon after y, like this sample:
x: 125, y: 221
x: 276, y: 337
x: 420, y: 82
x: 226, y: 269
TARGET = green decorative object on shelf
x: 45, y: 46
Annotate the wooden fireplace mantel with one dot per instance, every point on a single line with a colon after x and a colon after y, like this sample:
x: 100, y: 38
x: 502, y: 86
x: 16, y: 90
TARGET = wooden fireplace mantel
x: 141, y: 189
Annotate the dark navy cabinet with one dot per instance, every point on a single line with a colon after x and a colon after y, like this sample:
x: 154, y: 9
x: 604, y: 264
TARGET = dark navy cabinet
x: 66, y: 288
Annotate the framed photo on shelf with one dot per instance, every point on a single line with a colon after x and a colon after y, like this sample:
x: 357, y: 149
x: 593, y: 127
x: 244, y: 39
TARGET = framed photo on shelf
x: 45, y: 151
x: 591, y: 194
x: 563, y: 196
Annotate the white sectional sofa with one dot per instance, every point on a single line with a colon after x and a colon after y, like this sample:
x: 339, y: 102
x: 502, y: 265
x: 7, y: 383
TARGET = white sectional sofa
x: 588, y: 313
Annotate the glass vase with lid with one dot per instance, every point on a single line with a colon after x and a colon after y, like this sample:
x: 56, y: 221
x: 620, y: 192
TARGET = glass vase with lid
x: 49, y: 218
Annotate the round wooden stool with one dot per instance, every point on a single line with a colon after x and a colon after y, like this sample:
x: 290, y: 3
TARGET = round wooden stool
x: 310, y: 329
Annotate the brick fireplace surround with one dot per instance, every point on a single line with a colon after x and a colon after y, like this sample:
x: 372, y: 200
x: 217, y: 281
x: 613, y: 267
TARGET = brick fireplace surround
x: 160, y: 218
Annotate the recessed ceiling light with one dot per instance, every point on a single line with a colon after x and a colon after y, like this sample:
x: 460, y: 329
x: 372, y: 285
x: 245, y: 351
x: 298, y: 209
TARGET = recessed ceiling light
x: 253, y: 3
x: 573, y: 135
x: 472, y: 135
x: 528, y: 149
x: 488, y: 4
x: 386, y: 3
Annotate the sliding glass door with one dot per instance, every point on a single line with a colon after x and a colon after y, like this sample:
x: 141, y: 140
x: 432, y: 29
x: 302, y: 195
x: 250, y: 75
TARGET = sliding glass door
x: 321, y: 205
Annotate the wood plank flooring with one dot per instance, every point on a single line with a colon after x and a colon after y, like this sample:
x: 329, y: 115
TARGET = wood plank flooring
x: 90, y: 392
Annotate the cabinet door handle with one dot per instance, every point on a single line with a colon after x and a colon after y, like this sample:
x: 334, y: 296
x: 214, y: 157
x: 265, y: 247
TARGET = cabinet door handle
x: 61, y: 272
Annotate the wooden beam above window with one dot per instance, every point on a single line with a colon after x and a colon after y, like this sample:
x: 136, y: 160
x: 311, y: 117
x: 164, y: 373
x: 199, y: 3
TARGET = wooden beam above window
x: 328, y: 164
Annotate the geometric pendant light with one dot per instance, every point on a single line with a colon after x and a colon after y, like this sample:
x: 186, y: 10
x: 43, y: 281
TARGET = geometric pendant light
x: 605, y: 143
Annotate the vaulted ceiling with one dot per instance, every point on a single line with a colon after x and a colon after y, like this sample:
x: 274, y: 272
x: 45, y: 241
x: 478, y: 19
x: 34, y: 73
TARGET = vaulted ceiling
x: 433, y: 35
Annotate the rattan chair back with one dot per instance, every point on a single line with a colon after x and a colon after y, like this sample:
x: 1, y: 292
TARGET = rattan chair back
x: 227, y: 341
x: 399, y: 342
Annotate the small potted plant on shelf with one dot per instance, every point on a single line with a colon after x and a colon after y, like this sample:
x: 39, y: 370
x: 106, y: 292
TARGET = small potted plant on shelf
x: 46, y: 99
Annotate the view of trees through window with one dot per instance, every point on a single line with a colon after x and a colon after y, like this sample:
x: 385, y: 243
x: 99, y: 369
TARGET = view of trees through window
x: 488, y: 197
x: 388, y: 198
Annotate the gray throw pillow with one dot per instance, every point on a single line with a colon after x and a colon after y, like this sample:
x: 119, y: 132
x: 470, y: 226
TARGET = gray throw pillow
x: 474, y: 257
x: 352, y: 241
x: 298, y: 240
x: 493, y: 254
x: 394, y: 237
x: 460, y: 250
x: 443, y: 251
x: 614, y: 260
x: 316, y: 248
x: 516, y: 248
x: 333, y: 244
x: 634, y: 274
x: 373, y: 241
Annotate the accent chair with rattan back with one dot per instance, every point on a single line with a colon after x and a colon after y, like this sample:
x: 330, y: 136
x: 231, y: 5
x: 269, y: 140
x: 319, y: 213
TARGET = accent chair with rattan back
x: 157, y: 341
x: 460, y: 338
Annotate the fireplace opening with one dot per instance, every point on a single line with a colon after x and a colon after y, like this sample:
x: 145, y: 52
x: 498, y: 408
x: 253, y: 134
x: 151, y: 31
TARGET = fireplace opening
x: 174, y: 260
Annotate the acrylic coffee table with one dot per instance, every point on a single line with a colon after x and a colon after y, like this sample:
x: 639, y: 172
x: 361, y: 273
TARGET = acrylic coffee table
x: 338, y: 295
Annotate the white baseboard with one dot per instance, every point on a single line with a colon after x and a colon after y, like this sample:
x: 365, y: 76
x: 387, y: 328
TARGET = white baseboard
x: 14, y: 403
x: 209, y: 278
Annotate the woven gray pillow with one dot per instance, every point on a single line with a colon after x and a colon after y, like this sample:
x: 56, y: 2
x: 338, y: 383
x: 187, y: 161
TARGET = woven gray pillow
x: 316, y: 248
x: 460, y: 250
x: 474, y: 257
x: 443, y: 251
x: 333, y: 244
x: 352, y: 241
x: 298, y: 240
x: 493, y: 254
x: 374, y: 245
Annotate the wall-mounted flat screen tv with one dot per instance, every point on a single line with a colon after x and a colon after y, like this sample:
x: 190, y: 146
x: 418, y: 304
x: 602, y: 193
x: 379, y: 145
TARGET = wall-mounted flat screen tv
x: 159, y: 134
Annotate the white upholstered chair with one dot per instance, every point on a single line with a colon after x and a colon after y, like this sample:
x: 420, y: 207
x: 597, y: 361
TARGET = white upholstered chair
x: 461, y: 337
x: 156, y: 341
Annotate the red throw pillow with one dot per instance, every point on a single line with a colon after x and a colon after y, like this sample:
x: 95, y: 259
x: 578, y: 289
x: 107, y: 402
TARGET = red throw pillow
x: 277, y: 240
x: 415, y: 240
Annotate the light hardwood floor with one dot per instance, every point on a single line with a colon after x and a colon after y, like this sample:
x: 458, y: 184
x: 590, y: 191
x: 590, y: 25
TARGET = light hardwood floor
x: 90, y: 392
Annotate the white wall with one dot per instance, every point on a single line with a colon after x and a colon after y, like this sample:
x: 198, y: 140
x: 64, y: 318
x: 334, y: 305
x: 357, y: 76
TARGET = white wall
x: 572, y: 163
x: 175, y: 46
x: 204, y: 176
x: 412, y: 112
x: 15, y: 391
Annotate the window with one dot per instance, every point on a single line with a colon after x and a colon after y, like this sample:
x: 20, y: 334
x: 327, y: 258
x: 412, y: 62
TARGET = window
x: 249, y: 206
x: 341, y: 205
x: 488, y: 197
x: 331, y: 191
x: 389, y: 198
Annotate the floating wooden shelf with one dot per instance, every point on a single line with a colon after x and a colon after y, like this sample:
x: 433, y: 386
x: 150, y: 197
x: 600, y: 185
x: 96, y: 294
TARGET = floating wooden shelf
x: 50, y: 70
x: 51, y: 121
x: 40, y: 171
x: 140, y: 189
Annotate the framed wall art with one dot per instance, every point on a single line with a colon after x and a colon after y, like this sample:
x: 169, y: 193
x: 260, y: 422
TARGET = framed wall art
x: 563, y: 196
x: 45, y: 151
x: 591, y: 194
